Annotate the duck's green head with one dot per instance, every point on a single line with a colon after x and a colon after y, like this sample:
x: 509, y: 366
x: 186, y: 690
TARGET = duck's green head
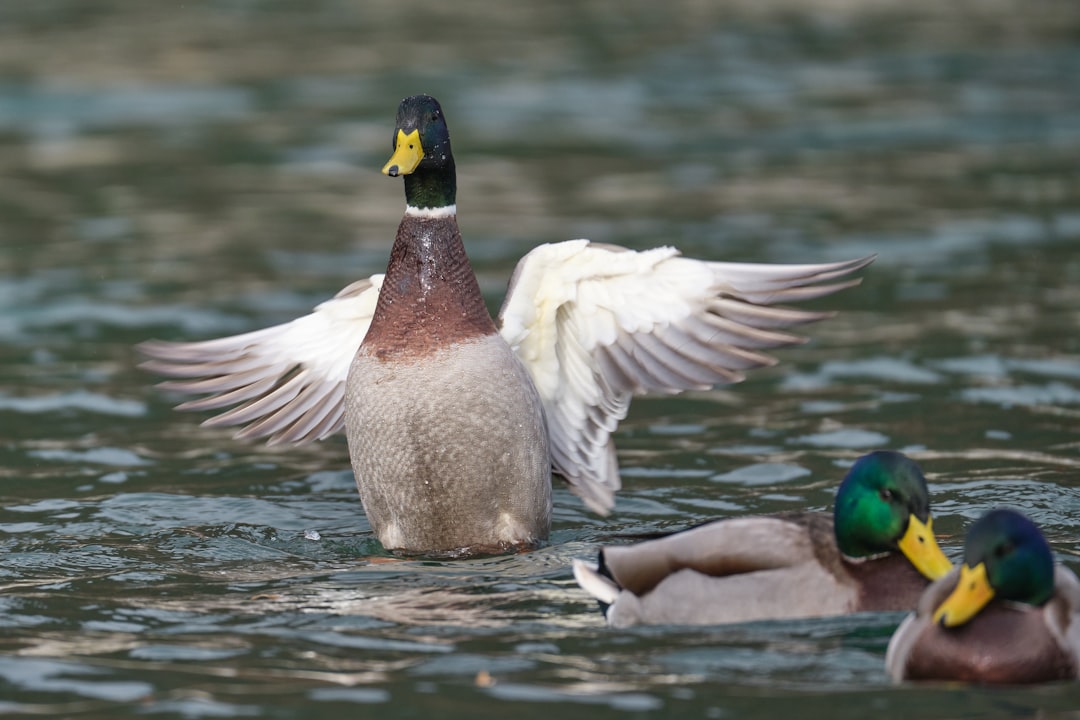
x: 882, y: 506
x: 1005, y: 556
x: 422, y: 154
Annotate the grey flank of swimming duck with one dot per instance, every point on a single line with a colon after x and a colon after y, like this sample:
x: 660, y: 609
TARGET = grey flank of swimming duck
x: 454, y: 420
x: 1009, y: 614
x: 876, y: 552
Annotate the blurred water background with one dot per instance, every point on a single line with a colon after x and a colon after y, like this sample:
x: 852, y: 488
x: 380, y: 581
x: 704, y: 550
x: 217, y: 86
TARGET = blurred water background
x: 189, y: 170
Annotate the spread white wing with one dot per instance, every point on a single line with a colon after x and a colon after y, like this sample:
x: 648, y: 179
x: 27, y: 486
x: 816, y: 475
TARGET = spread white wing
x: 597, y: 324
x: 287, y: 381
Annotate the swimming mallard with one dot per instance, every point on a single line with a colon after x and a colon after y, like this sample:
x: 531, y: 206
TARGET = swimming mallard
x: 876, y: 552
x: 454, y: 421
x: 1008, y: 615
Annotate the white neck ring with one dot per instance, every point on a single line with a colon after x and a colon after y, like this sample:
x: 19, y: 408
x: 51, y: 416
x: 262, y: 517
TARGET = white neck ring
x: 431, y: 213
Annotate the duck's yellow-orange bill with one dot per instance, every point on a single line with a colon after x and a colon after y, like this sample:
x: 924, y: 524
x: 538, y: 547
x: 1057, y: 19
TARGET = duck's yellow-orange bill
x: 920, y: 547
x: 407, y: 155
x: 971, y: 594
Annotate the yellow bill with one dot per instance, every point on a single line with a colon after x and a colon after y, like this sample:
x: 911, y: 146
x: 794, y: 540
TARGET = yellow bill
x: 407, y: 155
x: 920, y: 547
x: 970, y: 595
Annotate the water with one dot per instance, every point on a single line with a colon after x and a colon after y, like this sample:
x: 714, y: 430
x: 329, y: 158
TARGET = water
x: 190, y: 171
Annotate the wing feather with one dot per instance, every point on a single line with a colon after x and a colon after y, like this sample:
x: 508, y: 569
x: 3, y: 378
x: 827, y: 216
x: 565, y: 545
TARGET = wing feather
x: 713, y: 329
x: 240, y: 381
x: 311, y: 399
x: 762, y: 317
x: 286, y: 382
x: 263, y: 408
x: 598, y: 324
x: 255, y: 387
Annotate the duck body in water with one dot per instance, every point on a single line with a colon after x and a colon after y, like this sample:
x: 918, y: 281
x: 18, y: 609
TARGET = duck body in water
x: 875, y: 552
x: 1008, y: 615
x: 455, y: 420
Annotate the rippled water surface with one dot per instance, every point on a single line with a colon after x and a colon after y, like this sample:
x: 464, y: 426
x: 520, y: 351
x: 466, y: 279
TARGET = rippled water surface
x: 190, y: 170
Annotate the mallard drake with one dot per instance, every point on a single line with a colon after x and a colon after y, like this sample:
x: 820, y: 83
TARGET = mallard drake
x: 454, y: 421
x: 1008, y: 615
x: 876, y: 552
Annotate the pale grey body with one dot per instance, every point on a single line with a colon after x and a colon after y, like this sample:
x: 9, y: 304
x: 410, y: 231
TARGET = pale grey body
x: 745, y: 569
x: 759, y: 565
x: 689, y: 598
x: 449, y: 450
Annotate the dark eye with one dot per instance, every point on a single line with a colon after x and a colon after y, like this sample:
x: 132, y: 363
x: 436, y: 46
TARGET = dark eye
x: 1002, y: 550
x: 434, y: 116
x: 886, y: 494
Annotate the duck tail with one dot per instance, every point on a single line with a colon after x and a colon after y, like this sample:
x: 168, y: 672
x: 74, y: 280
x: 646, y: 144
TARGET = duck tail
x: 592, y: 578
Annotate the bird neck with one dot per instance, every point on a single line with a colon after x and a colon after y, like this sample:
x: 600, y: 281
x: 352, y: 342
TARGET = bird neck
x: 432, y: 187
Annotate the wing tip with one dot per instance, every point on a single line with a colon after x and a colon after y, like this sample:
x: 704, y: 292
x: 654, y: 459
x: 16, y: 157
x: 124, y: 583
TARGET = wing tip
x: 596, y: 496
x: 153, y: 348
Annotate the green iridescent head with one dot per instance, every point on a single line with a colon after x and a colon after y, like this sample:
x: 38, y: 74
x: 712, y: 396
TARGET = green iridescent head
x: 1019, y: 564
x: 883, y: 506
x: 422, y: 153
x: 1005, y: 556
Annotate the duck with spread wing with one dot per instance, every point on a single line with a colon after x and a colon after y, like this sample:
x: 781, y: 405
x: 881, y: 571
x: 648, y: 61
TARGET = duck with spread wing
x: 454, y: 420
